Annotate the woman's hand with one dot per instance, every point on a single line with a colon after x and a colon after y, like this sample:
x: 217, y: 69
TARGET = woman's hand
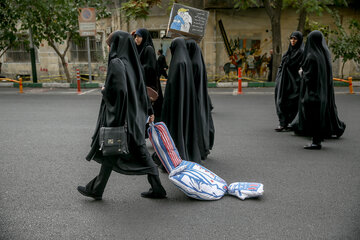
x: 151, y: 118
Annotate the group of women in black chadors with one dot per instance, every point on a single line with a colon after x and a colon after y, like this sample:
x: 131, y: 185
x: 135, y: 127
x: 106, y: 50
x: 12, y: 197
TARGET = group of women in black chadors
x: 185, y: 107
x: 304, y: 90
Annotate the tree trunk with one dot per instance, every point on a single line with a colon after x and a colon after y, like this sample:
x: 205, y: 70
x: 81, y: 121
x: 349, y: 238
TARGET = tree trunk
x: 342, y: 70
x: 274, y: 14
x: 277, y: 50
x: 2, y: 53
x: 66, y: 70
x: 302, y: 20
x: 62, y: 58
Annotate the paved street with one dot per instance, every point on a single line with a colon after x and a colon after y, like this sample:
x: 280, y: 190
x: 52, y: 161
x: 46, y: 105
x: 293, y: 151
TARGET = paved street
x: 45, y: 136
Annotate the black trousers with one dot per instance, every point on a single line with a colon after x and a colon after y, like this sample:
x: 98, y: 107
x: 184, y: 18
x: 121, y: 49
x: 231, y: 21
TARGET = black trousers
x: 317, y: 139
x: 98, y: 184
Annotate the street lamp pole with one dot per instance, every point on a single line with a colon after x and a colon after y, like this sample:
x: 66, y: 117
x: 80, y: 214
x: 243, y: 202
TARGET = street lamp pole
x: 32, y: 56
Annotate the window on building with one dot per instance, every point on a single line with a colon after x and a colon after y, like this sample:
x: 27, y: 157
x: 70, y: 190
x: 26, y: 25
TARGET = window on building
x: 20, y: 53
x: 156, y: 34
x: 245, y: 44
x: 79, y: 51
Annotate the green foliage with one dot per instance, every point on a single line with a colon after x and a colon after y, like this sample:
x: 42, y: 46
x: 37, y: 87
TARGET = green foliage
x: 55, y: 21
x: 138, y: 9
x: 51, y: 20
x: 314, y: 6
x: 171, y: 3
x: 313, y: 25
x: 8, y: 26
x: 346, y: 44
x: 241, y: 4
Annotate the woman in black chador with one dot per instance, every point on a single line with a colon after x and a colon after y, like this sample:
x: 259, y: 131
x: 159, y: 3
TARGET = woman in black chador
x: 124, y: 99
x: 146, y: 50
x: 180, y: 110
x: 317, y: 116
x: 206, y: 125
x: 288, y: 82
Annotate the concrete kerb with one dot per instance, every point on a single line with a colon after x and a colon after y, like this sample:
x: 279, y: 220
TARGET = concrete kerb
x: 210, y: 85
x: 51, y: 85
x: 6, y: 84
x: 56, y: 85
x: 267, y: 84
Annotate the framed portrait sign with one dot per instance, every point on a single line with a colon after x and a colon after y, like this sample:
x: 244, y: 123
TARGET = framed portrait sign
x: 187, y: 21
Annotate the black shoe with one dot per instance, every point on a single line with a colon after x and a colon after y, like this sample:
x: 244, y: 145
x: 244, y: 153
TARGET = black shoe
x: 279, y: 129
x: 313, y: 146
x: 84, y: 192
x: 151, y: 194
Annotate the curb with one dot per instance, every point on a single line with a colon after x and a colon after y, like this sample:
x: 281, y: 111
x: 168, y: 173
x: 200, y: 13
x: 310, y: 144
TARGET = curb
x: 210, y: 85
x: 51, y: 85
x: 265, y: 84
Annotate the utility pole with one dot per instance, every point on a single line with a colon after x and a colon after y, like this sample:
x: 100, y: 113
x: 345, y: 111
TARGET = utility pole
x: 32, y: 56
x: 89, y: 57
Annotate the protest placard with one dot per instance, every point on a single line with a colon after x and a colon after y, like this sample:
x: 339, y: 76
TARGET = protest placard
x: 187, y: 21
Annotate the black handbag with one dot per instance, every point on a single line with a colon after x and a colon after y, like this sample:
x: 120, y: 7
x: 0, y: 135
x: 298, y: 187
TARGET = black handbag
x: 113, y: 141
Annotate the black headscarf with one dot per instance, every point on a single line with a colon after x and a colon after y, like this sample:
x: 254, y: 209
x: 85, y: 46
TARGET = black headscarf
x: 146, y: 39
x: 206, y: 125
x: 294, y: 51
x: 124, y: 99
x: 288, y: 81
x: 180, y: 110
x: 317, y: 109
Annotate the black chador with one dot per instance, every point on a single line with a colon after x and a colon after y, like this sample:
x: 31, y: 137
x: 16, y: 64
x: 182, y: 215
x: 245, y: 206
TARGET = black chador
x: 148, y: 60
x: 124, y: 99
x: 206, y: 125
x: 317, y: 116
x: 288, y: 82
x: 180, y: 110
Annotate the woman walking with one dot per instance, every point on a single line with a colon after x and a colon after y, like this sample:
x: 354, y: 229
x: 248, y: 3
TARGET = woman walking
x: 288, y: 82
x: 124, y: 102
x: 146, y: 51
x: 317, y: 116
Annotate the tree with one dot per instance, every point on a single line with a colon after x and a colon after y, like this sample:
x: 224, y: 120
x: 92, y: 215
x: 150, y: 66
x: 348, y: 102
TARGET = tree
x: 273, y: 9
x: 8, y: 28
x: 346, y: 46
x: 55, y: 21
x: 306, y: 7
x: 139, y: 9
x: 313, y: 25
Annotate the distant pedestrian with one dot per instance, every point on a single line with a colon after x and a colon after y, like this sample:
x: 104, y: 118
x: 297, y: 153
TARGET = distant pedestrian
x: 123, y: 101
x: 162, y: 65
x: 269, y: 65
x: 317, y: 116
x: 146, y: 50
x: 288, y: 82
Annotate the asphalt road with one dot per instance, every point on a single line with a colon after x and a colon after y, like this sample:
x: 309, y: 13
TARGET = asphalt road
x: 45, y: 136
